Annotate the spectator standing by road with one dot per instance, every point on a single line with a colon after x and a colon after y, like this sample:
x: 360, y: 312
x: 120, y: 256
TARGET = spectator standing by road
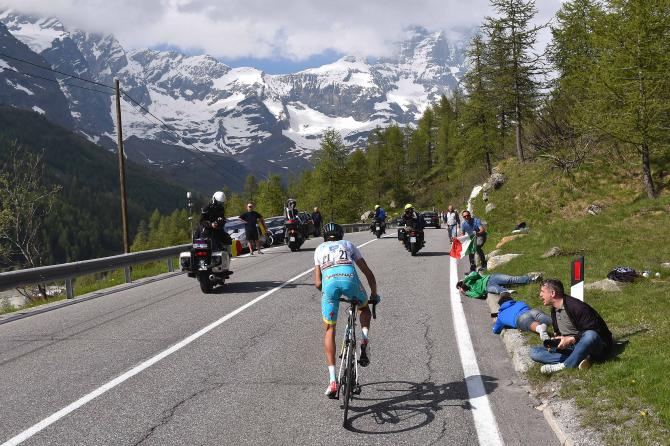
x: 579, y: 331
x: 251, y: 220
x: 452, y: 221
x: 473, y: 226
x: 318, y: 222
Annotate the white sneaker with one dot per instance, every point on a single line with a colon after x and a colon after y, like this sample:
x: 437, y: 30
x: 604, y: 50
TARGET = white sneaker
x: 548, y: 369
x: 543, y: 332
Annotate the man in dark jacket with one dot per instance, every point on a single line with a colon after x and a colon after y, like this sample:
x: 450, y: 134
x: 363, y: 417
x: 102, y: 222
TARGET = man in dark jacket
x: 212, y: 221
x: 581, y: 333
x: 318, y: 222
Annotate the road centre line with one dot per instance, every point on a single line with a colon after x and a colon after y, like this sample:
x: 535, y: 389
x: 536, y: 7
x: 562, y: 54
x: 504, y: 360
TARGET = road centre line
x: 36, y: 428
x: 485, y: 421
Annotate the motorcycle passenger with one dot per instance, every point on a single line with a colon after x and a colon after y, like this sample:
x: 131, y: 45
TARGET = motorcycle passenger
x: 212, y: 221
x: 380, y: 216
x: 335, y: 275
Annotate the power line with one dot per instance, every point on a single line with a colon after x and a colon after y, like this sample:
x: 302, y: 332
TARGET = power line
x: 175, y: 132
x: 55, y: 81
x: 53, y: 70
x: 169, y: 128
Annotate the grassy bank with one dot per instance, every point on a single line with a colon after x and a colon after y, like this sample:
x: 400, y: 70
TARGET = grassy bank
x: 626, y: 397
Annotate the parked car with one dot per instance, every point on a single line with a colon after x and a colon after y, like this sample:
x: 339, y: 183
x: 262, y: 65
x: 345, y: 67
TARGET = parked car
x: 276, y: 229
x: 235, y: 228
x: 431, y: 218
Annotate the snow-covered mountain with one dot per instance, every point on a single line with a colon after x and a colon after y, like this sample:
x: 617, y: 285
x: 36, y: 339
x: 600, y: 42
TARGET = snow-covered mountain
x: 267, y: 122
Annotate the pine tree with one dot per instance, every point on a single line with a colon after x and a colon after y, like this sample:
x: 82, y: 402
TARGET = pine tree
x: 514, y: 36
x: 330, y: 176
x: 631, y: 97
x: 250, y: 188
x: 478, y: 116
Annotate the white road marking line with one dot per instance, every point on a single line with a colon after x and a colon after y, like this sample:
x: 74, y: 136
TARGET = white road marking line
x: 485, y: 421
x: 26, y: 434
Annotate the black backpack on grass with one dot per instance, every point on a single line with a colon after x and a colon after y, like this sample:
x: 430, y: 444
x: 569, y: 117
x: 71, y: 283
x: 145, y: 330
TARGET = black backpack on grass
x: 622, y: 274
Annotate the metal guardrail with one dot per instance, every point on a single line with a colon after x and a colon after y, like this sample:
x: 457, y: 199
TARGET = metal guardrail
x: 68, y: 271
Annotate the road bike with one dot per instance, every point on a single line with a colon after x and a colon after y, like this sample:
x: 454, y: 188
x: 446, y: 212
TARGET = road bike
x: 348, y: 374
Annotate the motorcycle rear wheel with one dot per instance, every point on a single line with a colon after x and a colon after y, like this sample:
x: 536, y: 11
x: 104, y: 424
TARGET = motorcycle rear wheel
x: 206, y: 285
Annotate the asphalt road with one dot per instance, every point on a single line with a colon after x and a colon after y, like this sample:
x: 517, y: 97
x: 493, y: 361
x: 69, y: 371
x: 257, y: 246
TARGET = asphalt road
x: 258, y: 376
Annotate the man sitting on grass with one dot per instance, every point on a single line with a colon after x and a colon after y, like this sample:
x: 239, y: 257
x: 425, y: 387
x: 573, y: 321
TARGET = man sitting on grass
x: 476, y: 285
x: 580, y: 334
x: 517, y: 314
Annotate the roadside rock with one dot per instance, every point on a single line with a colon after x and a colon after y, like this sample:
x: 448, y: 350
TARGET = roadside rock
x: 553, y: 252
x: 493, y: 253
x: 485, y: 196
x: 366, y: 215
x: 496, y: 261
x: 490, y: 207
x: 594, y: 209
x: 608, y: 285
x: 392, y: 204
x: 665, y: 265
x: 521, y: 231
x: 497, y: 179
x: 505, y: 240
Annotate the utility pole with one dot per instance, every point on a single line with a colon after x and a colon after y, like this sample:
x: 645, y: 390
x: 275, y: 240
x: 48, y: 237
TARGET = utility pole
x: 122, y: 169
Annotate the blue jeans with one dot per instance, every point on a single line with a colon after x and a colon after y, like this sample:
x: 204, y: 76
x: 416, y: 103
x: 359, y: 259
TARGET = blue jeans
x: 526, y: 319
x: 496, y: 282
x: 589, y: 344
x: 451, y: 229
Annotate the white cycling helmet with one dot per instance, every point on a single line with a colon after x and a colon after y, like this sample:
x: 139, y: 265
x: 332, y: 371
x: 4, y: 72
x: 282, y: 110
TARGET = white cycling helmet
x: 218, y: 197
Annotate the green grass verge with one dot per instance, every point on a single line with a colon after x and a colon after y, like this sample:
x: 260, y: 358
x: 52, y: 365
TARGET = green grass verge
x: 626, y: 397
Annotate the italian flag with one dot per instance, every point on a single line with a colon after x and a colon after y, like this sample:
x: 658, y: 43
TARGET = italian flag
x: 462, y: 246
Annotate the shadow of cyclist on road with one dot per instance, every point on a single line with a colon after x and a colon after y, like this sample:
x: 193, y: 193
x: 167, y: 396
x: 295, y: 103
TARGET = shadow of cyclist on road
x: 399, y: 406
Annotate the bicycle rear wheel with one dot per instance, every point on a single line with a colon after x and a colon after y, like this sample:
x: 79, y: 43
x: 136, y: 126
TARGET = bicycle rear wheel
x: 350, y: 379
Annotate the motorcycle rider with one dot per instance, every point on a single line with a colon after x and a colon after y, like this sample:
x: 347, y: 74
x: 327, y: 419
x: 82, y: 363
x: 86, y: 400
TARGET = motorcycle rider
x: 291, y: 213
x: 380, y: 216
x: 412, y: 220
x: 212, y: 221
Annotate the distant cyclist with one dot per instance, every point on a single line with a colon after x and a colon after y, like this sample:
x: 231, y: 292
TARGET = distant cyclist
x: 335, y: 275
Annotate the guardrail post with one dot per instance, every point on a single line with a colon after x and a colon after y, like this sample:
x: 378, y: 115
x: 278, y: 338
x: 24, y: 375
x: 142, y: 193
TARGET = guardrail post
x: 69, y: 289
x: 170, y: 265
x: 126, y: 274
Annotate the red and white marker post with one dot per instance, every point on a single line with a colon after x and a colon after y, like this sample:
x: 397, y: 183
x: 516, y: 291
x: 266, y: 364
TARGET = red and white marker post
x: 577, y: 279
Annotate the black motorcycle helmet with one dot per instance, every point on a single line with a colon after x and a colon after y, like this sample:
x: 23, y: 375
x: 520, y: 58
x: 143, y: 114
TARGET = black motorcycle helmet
x: 332, y: 231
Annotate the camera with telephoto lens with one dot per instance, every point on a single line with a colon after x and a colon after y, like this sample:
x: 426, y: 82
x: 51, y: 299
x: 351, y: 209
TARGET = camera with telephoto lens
x: 551, y: 343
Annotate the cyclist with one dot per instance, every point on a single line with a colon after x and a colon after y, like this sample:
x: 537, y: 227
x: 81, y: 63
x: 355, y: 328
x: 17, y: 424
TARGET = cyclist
x: 335, y: 275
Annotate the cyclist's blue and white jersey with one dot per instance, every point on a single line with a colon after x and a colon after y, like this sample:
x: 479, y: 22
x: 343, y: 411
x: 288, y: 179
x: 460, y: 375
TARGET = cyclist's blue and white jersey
x: 338, y: 275
x: 336, y: 253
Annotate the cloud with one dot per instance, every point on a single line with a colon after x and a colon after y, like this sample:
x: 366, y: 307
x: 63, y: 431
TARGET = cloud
x: 291, y: 29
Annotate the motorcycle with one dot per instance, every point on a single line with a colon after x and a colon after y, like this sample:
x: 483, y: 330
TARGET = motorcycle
x: 377, y: 227
x: 210, y: 267
x: 294, y: 236
x: 413, y: 240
